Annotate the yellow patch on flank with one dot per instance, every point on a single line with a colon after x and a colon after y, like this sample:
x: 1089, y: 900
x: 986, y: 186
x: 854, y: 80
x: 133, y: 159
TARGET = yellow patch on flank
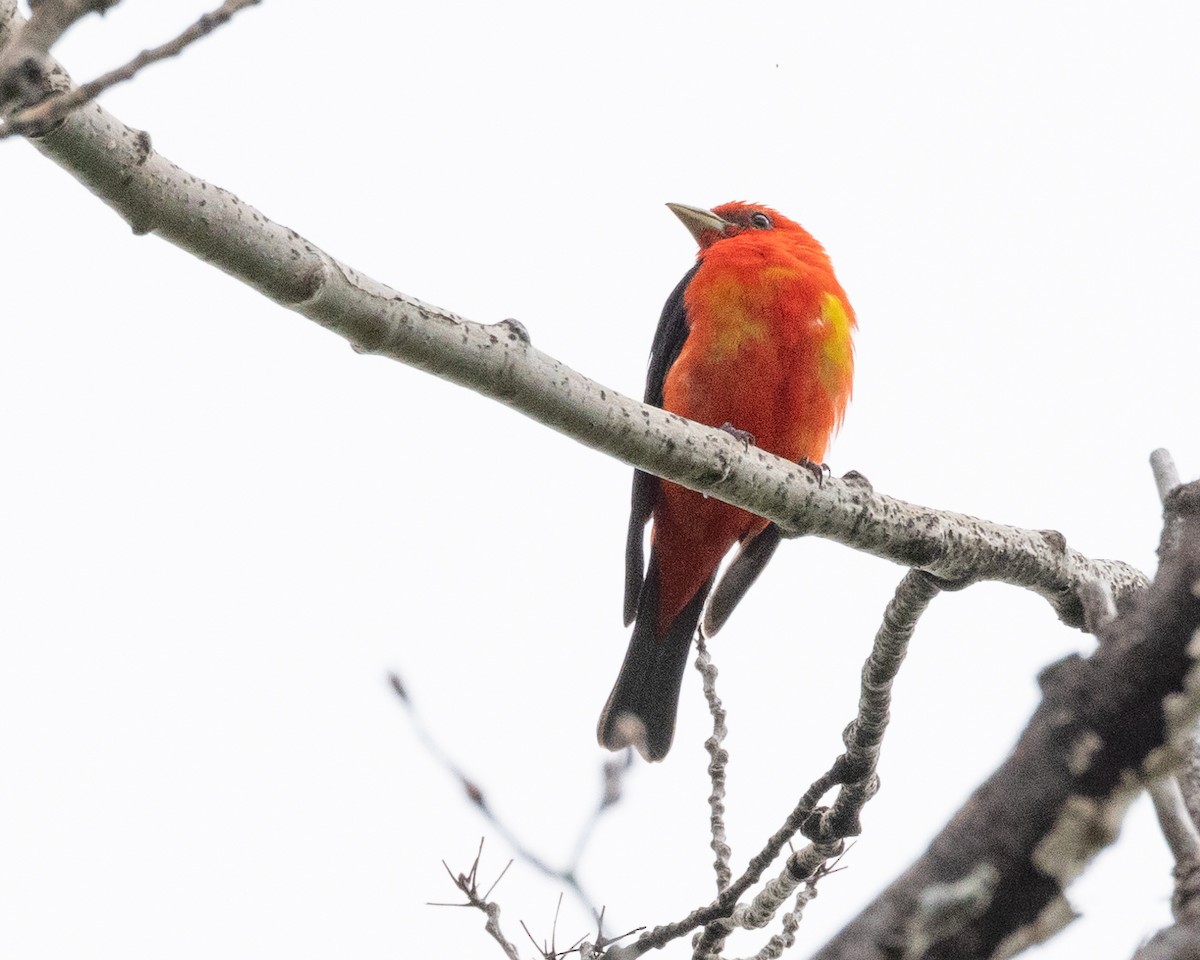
x: 837, y: 354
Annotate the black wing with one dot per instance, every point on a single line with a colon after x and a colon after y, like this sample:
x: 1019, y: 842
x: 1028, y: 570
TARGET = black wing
x: 751, y: 558
x: 668, y: 341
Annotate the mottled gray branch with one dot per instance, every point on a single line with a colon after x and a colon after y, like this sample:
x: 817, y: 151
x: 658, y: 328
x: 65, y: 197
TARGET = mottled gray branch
x: 1107, y: 725
x: 825, y: 827
x: 718, y: 758
x: 856, y: 767
x: 153, y: 195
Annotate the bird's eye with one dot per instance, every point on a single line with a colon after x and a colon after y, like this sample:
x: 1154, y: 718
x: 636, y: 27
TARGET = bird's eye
x: 761, y: 221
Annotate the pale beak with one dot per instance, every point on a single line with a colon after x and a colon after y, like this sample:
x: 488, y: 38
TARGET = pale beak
x: 699, y: 222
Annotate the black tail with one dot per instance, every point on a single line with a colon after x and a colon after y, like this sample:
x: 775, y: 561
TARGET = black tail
x: 641, y: 708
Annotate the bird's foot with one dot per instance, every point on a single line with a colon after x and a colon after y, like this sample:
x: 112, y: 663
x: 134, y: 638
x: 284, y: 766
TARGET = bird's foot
x: 819, y: 470
x: 744, y: 435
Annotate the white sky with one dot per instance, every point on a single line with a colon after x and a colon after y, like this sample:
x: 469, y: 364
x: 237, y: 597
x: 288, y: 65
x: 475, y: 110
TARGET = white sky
x: 220, y: 528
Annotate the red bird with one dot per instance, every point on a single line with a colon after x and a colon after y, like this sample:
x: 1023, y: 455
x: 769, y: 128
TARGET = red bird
x: 756, y: 338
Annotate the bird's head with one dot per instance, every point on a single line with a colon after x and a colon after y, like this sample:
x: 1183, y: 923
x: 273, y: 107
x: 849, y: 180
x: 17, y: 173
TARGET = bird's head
x: 730, y: 220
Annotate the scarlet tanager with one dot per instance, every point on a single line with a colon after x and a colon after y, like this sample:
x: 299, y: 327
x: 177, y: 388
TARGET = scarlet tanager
x: 755, y: 338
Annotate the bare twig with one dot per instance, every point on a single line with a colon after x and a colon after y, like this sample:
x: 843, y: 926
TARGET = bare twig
x: 569, y: 875
x: 43, y: 115
x: 1174, y: 820
x: 1099, y: 606
x: 50, y: 19
x: 854, y: 771
x: 1166, y: 479
x: 28, y: 73
x: 718, y: 758
x: 1189, y: 778
x: 1166, y: 474
x: 468, y: 883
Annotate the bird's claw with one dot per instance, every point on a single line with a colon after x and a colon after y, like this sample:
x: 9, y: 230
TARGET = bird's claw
x: 819, y: 470
x: 744, y: 435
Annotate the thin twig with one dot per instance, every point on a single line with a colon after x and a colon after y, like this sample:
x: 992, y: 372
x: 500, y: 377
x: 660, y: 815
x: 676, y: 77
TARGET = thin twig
x: 1166, y: 474
x: 1174, y: 820
x: 613, y: 775
x: 854, y: 770
x: 1099, y: 606
x: 468, y: 883
x: 568, y: 876
x: 660, y: 936
x: 50, y: 19
x: 42, y: 116
x: 1166, y: 479
x: 718, y: 758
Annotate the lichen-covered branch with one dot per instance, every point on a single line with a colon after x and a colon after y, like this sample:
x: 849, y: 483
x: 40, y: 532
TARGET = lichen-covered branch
x: 855, y: 768
x: 1107, y: 725
x: 154, y: 195
x: 718, y: 758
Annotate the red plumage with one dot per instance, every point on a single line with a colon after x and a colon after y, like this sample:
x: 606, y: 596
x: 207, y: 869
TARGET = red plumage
x: 757, y: 336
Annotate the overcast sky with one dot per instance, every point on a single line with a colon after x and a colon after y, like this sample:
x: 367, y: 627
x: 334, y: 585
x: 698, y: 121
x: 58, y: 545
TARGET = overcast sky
x: 220, y: 528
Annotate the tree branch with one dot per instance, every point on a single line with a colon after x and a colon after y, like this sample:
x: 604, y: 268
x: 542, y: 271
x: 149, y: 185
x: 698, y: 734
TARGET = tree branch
x: 718, y: 759
x: 1106, y: 725
x: 614, y: 770
x: 28, y: 74
x: 43, y: 115
x: 153, y: 195
x: 468, y: 884
x: 825, y: 827
x: 1177, y: 799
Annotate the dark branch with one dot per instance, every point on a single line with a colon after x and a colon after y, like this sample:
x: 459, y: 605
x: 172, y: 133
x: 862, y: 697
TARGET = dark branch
x: 1107, y: 725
